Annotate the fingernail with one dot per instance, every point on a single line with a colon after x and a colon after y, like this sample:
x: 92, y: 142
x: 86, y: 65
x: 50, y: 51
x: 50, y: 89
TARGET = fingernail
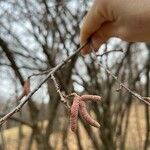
x: 96, y: 43
x: 86, y: 50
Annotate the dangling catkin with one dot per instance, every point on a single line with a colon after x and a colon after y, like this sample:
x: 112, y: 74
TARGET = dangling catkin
x: 94, y: 98
x: 85, y: 115
x: 26, y: 87
x: 74, y: 113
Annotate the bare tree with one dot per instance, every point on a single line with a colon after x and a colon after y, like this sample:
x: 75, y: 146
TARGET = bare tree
x: 38, y: 35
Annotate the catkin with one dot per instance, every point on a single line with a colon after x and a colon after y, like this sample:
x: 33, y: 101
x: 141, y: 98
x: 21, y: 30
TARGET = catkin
x: 26, y: 87
x: 94, y: 98
x: 74, y: 113
x: 85, y: 115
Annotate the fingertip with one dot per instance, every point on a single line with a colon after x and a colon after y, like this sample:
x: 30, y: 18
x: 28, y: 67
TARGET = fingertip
x: 96, y: 43
x: 86, y: 50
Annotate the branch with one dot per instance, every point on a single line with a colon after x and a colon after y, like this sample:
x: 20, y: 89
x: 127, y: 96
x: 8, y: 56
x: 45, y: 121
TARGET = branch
x: 19, y: 120
x: 116, y: 78
x: 52, y: 72
x: 62, y: 97
x: 107, y: 52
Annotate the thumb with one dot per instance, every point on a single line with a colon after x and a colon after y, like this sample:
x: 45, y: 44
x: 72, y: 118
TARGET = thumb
x: 91, y: 23
x: 106, y: 31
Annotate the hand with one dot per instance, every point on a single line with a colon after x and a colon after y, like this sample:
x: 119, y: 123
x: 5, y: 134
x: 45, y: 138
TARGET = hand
x: 126, y: 19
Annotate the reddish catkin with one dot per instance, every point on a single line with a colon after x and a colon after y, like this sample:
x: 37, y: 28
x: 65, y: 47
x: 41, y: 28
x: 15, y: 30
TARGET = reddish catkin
x: 26, y: 87
x: 74, y: 113
x: 85, y: 115
x: 94, y: 98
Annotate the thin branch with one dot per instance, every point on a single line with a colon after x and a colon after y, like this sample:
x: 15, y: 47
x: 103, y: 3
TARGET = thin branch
x: 55, y: 69
x: 62, y: 97
x: 116, y: 78
x: 107, y: 52
x: 40, y: 73
x: 19, y: 120
x: 51, y: 74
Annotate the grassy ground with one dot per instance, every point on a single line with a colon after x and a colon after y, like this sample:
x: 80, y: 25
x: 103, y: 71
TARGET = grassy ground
x: 135, y: 136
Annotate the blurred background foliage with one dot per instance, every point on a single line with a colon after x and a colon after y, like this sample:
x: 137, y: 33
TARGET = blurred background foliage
x: 35, y: 35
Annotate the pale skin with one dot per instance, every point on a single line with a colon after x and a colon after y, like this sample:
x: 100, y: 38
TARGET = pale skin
x: 125, y: 19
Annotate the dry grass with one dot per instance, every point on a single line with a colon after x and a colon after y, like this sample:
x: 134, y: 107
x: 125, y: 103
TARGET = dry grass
x: 135, y: 136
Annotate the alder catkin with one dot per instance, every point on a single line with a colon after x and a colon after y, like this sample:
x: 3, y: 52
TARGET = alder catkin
x: 26, y: 87
x: 86, y: 116
x: 74, y: 113
x: 94, y: 98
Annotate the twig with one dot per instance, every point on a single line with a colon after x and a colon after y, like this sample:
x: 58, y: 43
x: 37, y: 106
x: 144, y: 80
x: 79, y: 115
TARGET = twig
x: 115, y: 77
x: 107, y: 52
x: 41, y: 73
x: 19, y: 106
x: 51, y: 73
x: 19, y: 120
x: 62, y: 97
x: 147, y: 98
x: 20, y: 97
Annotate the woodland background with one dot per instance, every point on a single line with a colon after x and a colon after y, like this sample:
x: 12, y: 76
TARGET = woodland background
x: 35, y: 35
